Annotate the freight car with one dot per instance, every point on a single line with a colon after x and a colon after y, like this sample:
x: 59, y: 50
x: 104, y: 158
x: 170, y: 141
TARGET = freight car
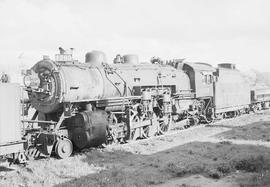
x: 260, y: 98
x: 11, y: 137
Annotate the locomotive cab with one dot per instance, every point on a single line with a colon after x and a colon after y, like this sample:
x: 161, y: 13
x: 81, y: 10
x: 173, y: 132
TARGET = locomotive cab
x: 201, y: 78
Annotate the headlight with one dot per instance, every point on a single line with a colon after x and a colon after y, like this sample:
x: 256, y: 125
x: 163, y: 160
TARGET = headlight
x: 31, y: 81
x: 27, y: 81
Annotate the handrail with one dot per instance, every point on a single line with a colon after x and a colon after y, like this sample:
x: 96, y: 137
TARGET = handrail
x: 39, y: 121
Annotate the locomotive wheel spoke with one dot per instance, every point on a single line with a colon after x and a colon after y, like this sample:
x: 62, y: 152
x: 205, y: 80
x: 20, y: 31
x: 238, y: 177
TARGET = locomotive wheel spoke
x: 153, y: 128
x: 141, y: 131
x: 135, y: 132
x: 165, y: 123
x: 145, y: 129
x: 112, y: 133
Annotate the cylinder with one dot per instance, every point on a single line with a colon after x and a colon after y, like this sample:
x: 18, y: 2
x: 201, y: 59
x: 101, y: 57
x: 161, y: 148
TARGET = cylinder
x: 88, y: 129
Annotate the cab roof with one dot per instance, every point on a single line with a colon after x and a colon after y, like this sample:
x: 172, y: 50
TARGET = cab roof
x: 200, y: 66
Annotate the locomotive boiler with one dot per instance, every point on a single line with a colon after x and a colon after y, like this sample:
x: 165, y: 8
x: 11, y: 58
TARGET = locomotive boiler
x: 55, y: 82
x: 87, y: 104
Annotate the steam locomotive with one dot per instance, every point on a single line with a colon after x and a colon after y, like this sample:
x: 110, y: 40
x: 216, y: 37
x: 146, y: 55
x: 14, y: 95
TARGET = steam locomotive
x: 80, y: 105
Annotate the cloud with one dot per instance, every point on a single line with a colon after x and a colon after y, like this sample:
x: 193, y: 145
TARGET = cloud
x: 210, y: 31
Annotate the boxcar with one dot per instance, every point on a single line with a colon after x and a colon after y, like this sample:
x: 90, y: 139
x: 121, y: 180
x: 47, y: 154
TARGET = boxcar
x: 260, y: 97
x: 10, y: 119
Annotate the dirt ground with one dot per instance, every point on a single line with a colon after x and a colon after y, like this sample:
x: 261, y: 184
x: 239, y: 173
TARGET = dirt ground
x: 232, y: 152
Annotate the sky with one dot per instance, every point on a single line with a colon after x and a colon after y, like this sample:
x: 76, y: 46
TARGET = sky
x: 211, y: 31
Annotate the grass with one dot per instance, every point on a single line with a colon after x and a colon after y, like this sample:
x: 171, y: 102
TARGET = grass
x: 254, y: 179
x: 254, y: 131
x: 253, y: 164
x: 208, y: 159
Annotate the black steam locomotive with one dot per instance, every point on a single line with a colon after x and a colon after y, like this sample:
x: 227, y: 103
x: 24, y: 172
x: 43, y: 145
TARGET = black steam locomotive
x: 79, y: 105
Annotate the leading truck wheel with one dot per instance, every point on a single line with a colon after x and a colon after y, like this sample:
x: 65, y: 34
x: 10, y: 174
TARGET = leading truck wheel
x: 63, y: 148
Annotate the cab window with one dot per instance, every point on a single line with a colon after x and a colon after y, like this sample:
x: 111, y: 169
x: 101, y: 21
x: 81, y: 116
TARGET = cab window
x: 207, y: 78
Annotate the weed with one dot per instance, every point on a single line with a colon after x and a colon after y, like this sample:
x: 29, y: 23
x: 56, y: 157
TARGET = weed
x: 176, y: 169
x: 214, y: 175
x: 190, y: 152
x: 224, y: 168
x: 255, y: 180
x: 253, y: 131
x: 225, y: 142
x: 253, y: 164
